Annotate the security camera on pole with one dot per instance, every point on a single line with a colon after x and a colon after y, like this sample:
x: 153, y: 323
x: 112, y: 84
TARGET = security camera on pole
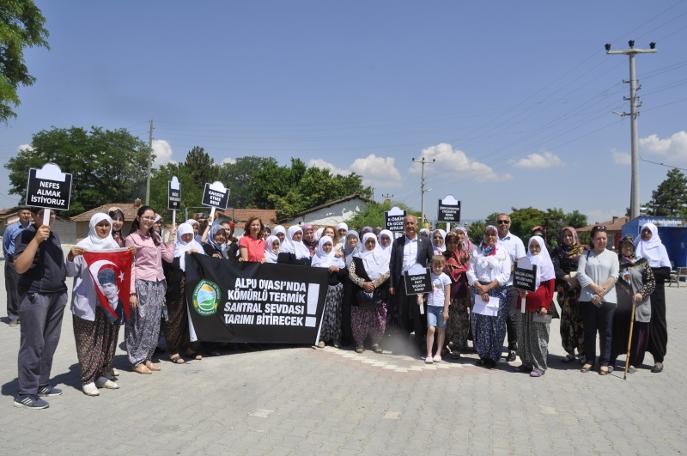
x: 634, y: 105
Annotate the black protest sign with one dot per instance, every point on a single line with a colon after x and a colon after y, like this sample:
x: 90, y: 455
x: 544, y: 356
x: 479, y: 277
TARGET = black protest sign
x: 393, y: 219
x: 525, y: 275
x: 174, y: 194
x: 449, y: 210
x: 49, y: 187
x: 253, y: 302
x: 417, y: 283
x: 215, y: 195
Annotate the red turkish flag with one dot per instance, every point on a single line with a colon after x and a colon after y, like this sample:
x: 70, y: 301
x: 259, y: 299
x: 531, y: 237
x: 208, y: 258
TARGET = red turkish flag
x: 111, y: 274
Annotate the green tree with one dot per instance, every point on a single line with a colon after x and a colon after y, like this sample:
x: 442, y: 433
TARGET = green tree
x: 106, y: 165
x: 670, y: 197
x: 21, y: 26
x: 191, y: 193
x: 242, y: 177
x: 373, y: 215
x: 201, y: 166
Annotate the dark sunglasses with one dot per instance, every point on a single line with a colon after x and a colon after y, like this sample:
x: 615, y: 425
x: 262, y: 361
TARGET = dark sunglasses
x: 502, y: 222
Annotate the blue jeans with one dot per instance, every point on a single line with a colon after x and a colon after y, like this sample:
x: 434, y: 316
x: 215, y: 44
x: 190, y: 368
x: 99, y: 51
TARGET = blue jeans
x: 598, y: 319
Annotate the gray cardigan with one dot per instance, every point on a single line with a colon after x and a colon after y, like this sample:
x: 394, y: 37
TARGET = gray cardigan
x: 597, y: 268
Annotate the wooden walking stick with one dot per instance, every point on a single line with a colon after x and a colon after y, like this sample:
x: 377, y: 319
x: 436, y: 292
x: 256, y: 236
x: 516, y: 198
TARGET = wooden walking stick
x: 632, y: 325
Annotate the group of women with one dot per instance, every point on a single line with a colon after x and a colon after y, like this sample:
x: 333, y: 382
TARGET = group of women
x: 596, y: 289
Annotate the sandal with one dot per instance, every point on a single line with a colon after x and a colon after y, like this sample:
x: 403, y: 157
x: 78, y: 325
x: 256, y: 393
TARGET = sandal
x: 177, y: 359
x: 586, y: 368
x: 141, y: 368
x: 377, y: 349
x: 603, y: 370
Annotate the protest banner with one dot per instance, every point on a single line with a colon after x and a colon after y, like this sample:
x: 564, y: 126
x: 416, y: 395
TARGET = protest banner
x: 174, y: 197
x: 525, y: 278
x: 253, y: 302
x: 49, y: 188
x: 110, y: 271
x: 215, y: 196
x: 417, y: 280
x: 449, y: 211
x: 393, y: 219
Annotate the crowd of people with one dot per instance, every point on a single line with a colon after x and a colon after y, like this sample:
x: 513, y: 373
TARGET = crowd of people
x: 472, y: 294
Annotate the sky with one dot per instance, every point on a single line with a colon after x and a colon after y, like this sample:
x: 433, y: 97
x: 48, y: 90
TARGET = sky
x: 514, y: 100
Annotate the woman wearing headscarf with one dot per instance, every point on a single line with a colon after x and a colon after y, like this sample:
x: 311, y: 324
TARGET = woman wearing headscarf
x: 95, y: 330
x: 196, y: 229
x: 330, y: 330
x: 384, y: 240
x: 147, y: 291
x: 341, y: 232
x: 489, y: 271
x: 534, y: 325
x: 272, y: 246
x: 280, y: 232
x: 117, y: 216
x: 293, y: 251
x: 649, y: 246
x: 369, y: 271
x: 216, y: 245
x: 439, y: 241
x: 309, y: 238
x: 635, y: 285
x: 565, y: 258
x: 458, y: 253
x: 597, y: 272
x: 176, y: 327
x: 350, y: 246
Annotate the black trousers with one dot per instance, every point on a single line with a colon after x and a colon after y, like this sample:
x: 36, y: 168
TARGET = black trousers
x: 598, y: 319
x: 11, y: 280
x: 658, y: 326
x: 409, y: 317
x: 511, y: 317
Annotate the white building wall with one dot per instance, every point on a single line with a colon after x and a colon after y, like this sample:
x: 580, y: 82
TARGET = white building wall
x: 332, y: 215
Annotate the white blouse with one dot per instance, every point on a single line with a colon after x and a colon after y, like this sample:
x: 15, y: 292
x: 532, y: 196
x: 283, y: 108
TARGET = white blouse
x: 488, y: 268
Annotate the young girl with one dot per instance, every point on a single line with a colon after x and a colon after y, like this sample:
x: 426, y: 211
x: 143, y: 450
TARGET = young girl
x: 437, y: 308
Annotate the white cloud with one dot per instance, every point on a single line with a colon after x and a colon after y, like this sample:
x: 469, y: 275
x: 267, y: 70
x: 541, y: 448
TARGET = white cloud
x: 228, y: 161
x: 375, y: 171
x: 537, y: 160
x: 457, y: 162
x: 26, y: 147
x: 162, y: 151
x: 621, y: 158
x: 673, y: 148
x: 323, y: 164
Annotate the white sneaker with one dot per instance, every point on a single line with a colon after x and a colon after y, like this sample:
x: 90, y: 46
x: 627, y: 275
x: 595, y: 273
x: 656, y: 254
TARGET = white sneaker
x: 89, y: 389
x: 429, y: 360
x: 104, y: 382
x: 437, y: 358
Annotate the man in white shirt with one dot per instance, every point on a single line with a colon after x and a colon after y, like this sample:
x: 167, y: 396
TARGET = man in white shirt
x: 516, y: 250
x: 407, y: 251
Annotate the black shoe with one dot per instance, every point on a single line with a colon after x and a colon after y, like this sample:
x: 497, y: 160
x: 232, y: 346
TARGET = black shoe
x: 49, y: 391
x: 489, y: 363
x: 30, y: 402
x: 511, y: 356
x: 658, y: 367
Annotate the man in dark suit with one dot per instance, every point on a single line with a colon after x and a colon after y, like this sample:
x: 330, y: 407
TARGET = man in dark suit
x: 407, y: 251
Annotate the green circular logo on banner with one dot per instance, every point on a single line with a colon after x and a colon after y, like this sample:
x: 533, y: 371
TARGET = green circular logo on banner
x: 206, y: 298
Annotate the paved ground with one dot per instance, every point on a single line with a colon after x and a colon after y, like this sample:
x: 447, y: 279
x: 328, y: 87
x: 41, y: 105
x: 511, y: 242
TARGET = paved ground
x: 303, y: 401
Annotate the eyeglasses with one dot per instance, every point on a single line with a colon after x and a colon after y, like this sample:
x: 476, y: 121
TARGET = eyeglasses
x: 503, y: 222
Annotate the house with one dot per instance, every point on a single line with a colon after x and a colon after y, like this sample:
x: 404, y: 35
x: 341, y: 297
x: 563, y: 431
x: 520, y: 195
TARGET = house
x: 331, y: 212
x: 614, y: 228
x: 81, y: 220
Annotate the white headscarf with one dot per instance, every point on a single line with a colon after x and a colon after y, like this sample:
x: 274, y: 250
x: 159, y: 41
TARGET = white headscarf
x: 299, y: 249
x: 95, y: 242
x: 270, y: 256
x: 385, y: 250
x: 439, y: 249
x: 318, y: 233
x: 341, y: 226
x: 279, y: 229
x: 192, y: 222
x: 376, y: 263
x: 653, y: 249
x: 545, y: 269
x: 181, y: 247
x: 323, y: 259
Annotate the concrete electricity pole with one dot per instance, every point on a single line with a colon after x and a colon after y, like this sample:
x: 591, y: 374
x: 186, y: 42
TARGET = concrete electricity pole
x: 634, y: 106
x: 423, y: 189
x: 150, y: 161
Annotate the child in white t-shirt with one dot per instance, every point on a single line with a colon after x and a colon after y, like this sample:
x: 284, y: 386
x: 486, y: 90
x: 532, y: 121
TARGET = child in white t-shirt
x: 437, y: 308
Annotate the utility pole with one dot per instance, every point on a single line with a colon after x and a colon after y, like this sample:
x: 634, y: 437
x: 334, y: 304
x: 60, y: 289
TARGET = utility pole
x: 634, y: 113
x: 423, y: 189
x: 150, y: 160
